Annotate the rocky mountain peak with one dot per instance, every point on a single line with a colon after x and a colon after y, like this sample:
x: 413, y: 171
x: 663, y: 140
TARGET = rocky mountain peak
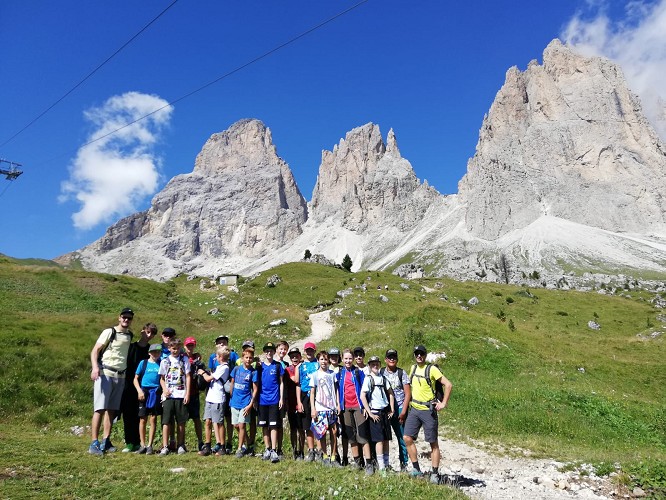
x: 565, y: 139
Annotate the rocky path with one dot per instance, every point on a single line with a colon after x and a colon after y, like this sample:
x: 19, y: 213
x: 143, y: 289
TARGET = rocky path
x: 485, y: 475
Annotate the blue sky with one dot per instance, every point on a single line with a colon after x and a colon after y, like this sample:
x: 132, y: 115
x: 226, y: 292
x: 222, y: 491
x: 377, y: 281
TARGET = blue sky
x: 429, y: 70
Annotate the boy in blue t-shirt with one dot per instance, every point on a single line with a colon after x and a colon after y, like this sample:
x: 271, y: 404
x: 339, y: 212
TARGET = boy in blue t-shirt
x: 147, y: 384
x: 271, y: 399
x: 243, y: 395
x: 305, y: 369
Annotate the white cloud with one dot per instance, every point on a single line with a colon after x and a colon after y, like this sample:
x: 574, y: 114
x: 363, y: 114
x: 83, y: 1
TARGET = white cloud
x: 637, y: 42
x: 111, y: 176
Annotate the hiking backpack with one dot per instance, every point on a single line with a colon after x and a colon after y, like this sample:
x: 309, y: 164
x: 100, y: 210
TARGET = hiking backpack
x: 112, y: 338
x: 438, y: 390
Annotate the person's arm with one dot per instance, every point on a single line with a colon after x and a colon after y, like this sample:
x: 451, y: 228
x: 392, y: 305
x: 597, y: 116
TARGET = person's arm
x: 188, y: 384
x: 405, y: 405
x: 137, y: 386
x: 255, y: 391
x: 366, y: 405
x: 447, y: 393
x: 297, y: 381
x: 391, y: 402
x: 313, y: 396
x: 94, y: 356
x: 281, y: 403
x: 165, y: 389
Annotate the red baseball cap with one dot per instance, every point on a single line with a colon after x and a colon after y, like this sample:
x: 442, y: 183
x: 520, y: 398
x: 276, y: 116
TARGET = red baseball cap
x: 309, y: 345
x: 190, y: 340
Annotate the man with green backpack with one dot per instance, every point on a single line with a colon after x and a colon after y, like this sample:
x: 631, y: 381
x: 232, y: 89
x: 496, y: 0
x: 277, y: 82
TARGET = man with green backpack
x: 424, y: 405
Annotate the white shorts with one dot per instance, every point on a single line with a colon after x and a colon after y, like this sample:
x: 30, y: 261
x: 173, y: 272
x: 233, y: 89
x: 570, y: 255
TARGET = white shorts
x: 238, y: 418
x: 108, y: 391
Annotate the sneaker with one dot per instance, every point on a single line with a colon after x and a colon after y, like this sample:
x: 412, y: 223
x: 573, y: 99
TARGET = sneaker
x: 130, y: 448
x: 215, y: 448
x: 149, y: 450
x: 311, y: 456
x: 336, y: 465
x: 182, y: 450
x: 369, y: 469
x: 228, y: 450
x: 355, y: 464
x: 164, y: 451
x: 416, y: 473
x: 326, y: 461
x: 319, y: 456
x: 240, y: 453
x: 221, y: 451
x: 434, y: 478
x: 266, y: 455
x: 141, y: 450
x: 275, y: 458
x: 108, y: 447
x: 205, y: 451
x: 95, y: 449
x: 250, y: 451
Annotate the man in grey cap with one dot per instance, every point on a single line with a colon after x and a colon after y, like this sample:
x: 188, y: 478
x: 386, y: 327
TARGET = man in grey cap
x: 109, y: 364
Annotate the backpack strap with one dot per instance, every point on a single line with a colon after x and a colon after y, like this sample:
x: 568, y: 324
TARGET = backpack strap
x: 412, y: 374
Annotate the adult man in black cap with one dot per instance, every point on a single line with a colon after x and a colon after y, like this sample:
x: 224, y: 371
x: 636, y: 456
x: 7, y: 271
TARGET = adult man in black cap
x: 109, y: 363
x: 423, y: 410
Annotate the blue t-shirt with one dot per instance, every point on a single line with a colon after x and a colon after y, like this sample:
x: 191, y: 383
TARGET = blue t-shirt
x: 270, y: 383
x: 242, y: 394
x: 151, y: 376
x: 305, y: 369
x: 212, y: 360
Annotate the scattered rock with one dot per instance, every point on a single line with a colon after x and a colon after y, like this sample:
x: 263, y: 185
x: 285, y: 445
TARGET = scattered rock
x: 278, y: 322
x: 383, y: 298
x: 273, y: 281
x: 473, y: 301
x: 344, y: 293
x: 214, y: 311
x: 593, y: 325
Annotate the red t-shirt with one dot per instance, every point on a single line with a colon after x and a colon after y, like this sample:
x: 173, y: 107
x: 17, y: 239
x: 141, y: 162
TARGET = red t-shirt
x: 351, y: 400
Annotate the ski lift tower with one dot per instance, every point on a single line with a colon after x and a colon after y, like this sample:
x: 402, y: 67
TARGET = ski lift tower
x: 12, y: 172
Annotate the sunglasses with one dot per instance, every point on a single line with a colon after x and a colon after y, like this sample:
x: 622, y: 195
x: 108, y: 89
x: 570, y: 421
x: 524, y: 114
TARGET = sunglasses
x: 127, y: 318
x: 419, y: 354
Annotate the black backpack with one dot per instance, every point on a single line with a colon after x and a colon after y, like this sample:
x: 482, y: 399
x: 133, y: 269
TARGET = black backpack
x: 438, y: 390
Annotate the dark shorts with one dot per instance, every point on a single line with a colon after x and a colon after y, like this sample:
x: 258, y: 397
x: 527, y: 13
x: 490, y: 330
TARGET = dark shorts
x: 355, y: 426
x: 194, y: 408
x: 295, y: 421
x: 306, y: 416
x: 380, y: 430
x: 144, y: 412
x: 422, y: 418
x: 174, y: 408
x: 269, y: 416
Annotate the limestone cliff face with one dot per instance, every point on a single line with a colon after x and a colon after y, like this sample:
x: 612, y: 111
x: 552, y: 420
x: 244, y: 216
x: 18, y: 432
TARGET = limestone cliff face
x: 240, y: 202
x: 565, y: 139
x: 364, y: 183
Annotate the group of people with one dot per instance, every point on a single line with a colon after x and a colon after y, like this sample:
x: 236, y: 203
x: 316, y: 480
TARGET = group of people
x: 325, y: 396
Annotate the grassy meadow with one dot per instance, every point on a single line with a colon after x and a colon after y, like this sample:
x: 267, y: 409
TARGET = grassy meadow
x: 528, y: 373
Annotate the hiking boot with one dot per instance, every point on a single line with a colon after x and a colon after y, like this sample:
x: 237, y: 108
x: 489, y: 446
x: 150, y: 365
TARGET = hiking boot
x: 240, y: 453
x: 266, y: 455
x: 149, y: 450
x: 310, y: 456
x: 434, y: 478
x: 95, y: 449
x: 275, y: 458
x: 221, y: 451
x: 369, y: 469
x: 416, y: 473
x: 205, y: 451
x: 164, y: 451
x: 182, y: 450
x: 141, y: 450
x: 108, y: 447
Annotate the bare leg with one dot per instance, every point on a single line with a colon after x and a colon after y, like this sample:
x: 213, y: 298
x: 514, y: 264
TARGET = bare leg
x: 96, y: 424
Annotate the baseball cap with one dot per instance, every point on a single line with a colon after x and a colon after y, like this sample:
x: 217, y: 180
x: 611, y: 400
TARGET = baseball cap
x: 190, y: 340
x: 310, y: 345
x: 127, y: 312
x: 221, y: 337
x: 420, y: 348
x: 390, y: 353
x: 169, y: 332
x: 334, y: 351
x: 374, y: 359
x: 359, y: 349
x: 268, y: 346
x: 294, y: 350
x: 248, y: 343
x: 155, y: 347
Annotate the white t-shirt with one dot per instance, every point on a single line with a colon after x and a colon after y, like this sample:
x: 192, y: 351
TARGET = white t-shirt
x: 216, y: 392
x: 378, y: 399
x: 175, y: 371
x: 325, y: 384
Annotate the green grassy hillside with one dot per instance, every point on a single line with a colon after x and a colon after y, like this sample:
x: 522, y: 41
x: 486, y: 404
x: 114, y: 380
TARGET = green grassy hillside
x: 527, y: 370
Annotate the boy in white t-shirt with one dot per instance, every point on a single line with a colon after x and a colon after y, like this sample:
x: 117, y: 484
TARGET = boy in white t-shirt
x: 216, y: 402
x: 324, y: 408
x: 379, y: 404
